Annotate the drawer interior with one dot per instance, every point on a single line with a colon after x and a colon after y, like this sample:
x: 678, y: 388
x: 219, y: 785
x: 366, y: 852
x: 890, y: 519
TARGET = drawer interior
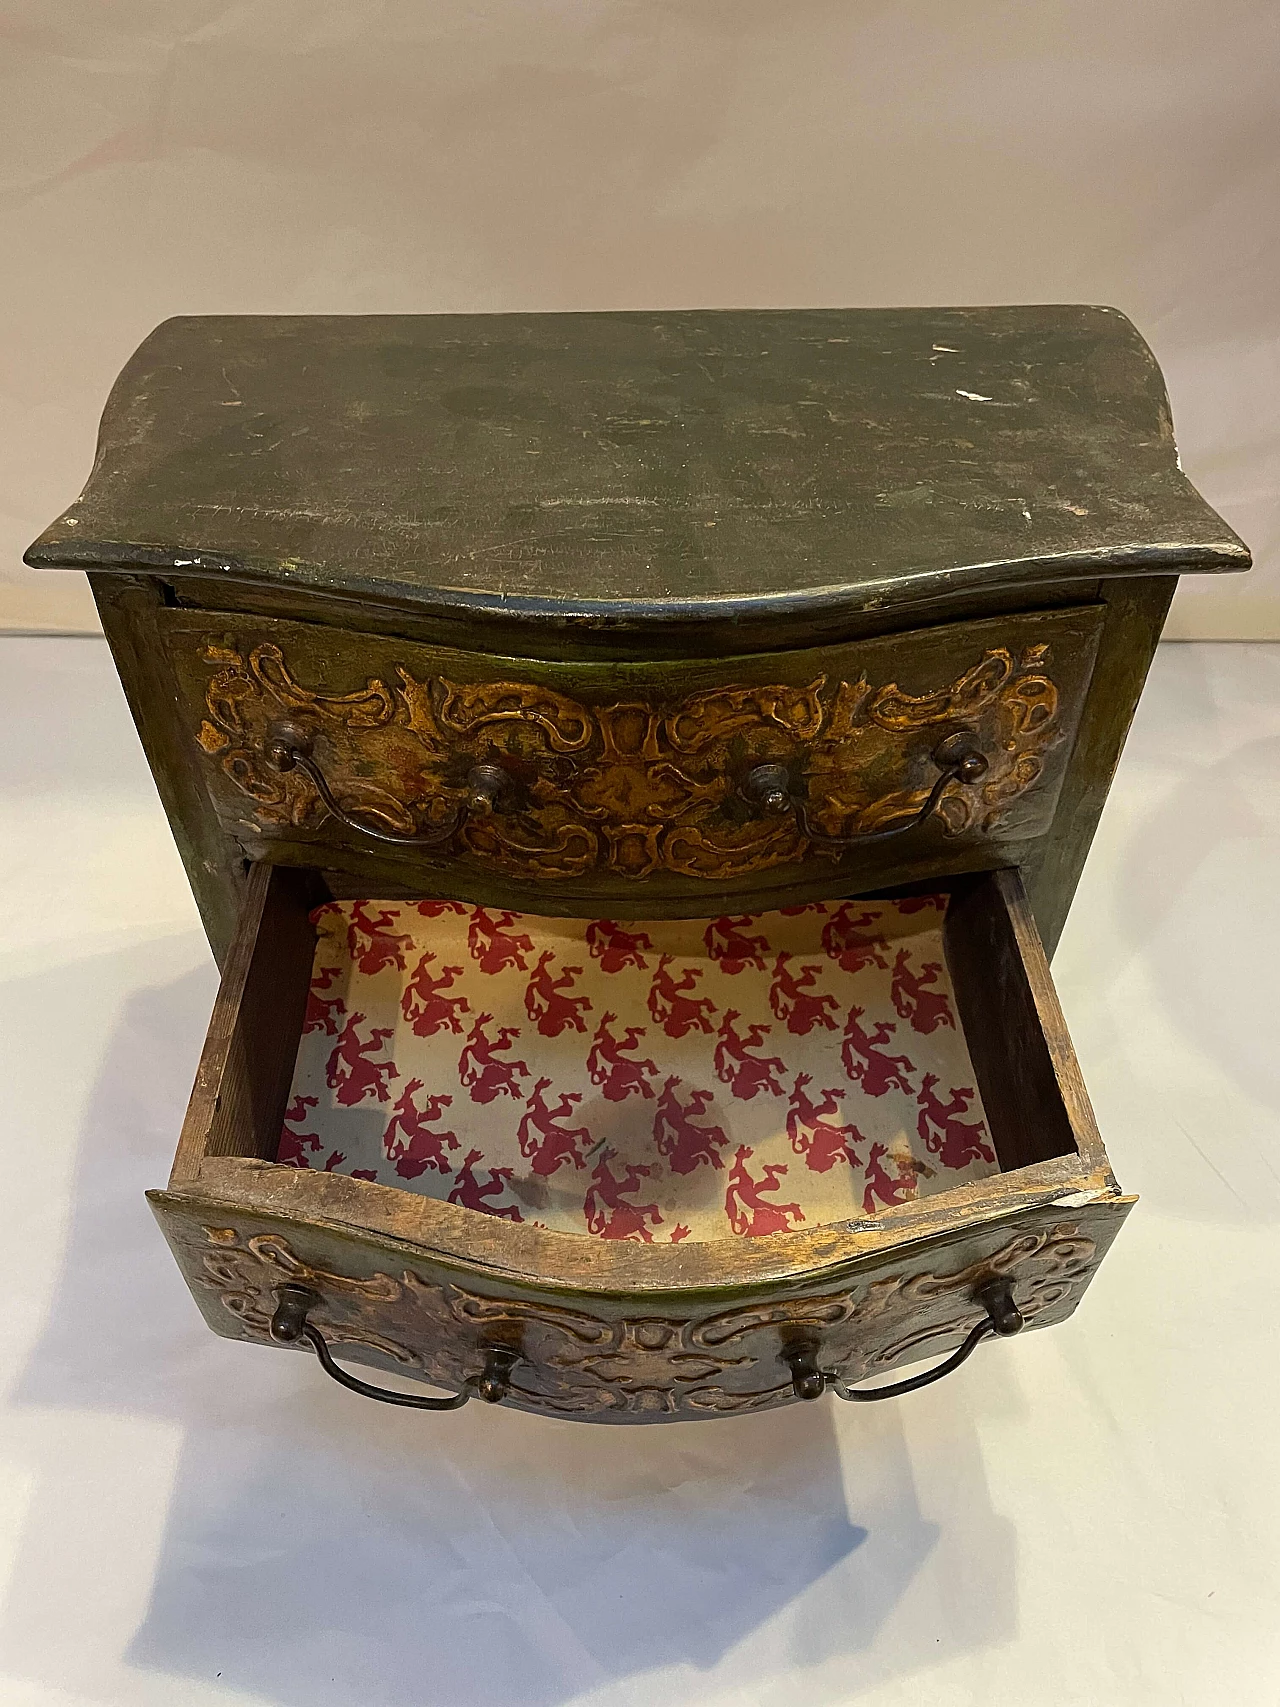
x: 832, y: 1065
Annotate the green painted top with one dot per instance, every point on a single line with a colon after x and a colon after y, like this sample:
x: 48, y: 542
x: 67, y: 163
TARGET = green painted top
x: 630, y: 470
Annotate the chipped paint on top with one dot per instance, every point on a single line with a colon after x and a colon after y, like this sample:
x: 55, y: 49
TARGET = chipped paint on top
x: 591, y: 503
x: 903, y: 497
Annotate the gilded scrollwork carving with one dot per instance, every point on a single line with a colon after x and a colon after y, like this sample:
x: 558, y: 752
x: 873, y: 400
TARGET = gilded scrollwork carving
x: 631, y: 787
x: 577, y: 1364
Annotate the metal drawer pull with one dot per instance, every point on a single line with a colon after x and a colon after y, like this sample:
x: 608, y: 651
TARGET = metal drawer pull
x: 1003, y: 1317
x: 289, y: 746
x: 958, y: 756
x: 290, y: 1324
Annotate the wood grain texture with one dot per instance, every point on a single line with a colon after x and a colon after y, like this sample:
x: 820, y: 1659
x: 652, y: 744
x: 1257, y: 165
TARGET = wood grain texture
x: 529, y: 1255
x: 644, y: 470
x: 1026, y: 1068
x: 242, y: 1082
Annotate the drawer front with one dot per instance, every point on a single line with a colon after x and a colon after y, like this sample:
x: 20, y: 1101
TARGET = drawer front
x: 892, y: 758
x: 638, y: 1360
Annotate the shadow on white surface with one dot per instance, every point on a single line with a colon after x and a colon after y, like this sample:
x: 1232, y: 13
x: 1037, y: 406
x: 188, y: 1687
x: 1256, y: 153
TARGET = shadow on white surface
x: 1167, y: 965
x: 1196, y: 887
x: 284, y: 1538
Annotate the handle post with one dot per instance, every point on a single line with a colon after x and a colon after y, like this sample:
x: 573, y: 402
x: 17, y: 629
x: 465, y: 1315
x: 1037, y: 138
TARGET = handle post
x: 768, y: 787
x: 290, y: 745
x: 290, y: 1324
x: 809, y: 1380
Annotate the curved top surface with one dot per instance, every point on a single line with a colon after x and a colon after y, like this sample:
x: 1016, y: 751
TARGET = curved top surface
x: 640, y: 468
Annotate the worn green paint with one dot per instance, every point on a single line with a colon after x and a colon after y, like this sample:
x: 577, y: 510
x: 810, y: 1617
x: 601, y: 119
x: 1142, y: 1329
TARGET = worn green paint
x: 644, y: 473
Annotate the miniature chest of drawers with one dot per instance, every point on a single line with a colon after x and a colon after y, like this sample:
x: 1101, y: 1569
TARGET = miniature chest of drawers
x: 685, y: 730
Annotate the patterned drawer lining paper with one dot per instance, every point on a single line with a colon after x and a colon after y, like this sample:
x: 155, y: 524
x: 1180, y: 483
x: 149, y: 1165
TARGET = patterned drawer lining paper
x: 655, y: 1081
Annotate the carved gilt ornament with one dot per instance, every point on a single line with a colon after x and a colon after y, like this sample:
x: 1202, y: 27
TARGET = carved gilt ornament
x: 631, y: 788
x: 576, y: 1364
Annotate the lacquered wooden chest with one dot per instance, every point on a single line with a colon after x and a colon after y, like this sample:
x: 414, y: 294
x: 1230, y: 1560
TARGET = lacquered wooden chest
x: 631, y: 768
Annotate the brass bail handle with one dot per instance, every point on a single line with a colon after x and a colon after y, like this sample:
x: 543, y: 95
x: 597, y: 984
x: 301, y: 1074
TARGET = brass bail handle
x: 290, y: 1324
x: 958, y: 756
x: 290, y: 745
x: 810, y: 1381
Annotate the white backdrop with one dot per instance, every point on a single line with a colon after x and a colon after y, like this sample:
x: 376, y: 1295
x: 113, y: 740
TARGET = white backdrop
x: 189, y: 156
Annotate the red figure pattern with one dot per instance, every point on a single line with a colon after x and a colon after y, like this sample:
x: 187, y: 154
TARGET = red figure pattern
x: 865, y: 1061
x: 409, y: 1141
x: 791, y: 1000
x: 749, y: 1215
x: 468, y: 1191
x: 889, y: 1188
x: 608, y: 1067
x: 424, y: 1002
x: 726, y: 943
x: 957, y: 1142
x: 369, y: 941
x: 547, y: 1002
x: 746, y: 1074
x: 533, y: 1101
x: 479, y: 1068
x: 351, y: 1071
x: 323, y: 1012
x: 675, y: 1137
x: 844, y: 938
x: 294, y: 1145
x: 926, y: 1009
x: 672, y: 1007
x: 493, y: 946
x: 814, y: 1135
x: 615, y: 948
x: 543, y: 1137
x: 608, y: 1215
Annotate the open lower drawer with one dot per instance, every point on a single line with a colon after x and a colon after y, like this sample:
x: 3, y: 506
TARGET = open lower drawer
x: 633, y: 1172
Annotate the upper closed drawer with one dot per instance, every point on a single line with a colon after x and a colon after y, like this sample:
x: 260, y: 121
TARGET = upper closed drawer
x: 669, y: 784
